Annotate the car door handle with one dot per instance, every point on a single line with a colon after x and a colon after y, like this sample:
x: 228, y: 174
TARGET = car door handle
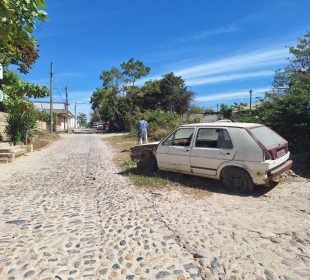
x: 184, y: 151
x: 222, y: 153
x: 181, y: 149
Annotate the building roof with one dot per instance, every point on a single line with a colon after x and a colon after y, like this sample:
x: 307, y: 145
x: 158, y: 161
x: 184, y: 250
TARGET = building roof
x: 62, y: 112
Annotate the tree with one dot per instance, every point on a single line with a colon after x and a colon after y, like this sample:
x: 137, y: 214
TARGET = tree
x: 18, y: 19
x: 134, y: 70
x: 95, y: 116
x: 177, y: 98
x: 19, y: 92
x: 196, y: 110
x: 15, y: 88
x: 82, y: 119
x: 22, y: 118
x: 119, y: 96
x: 287, y: 108
x: 226, y: 111
x: 151, y: 97
x: 295, y: 78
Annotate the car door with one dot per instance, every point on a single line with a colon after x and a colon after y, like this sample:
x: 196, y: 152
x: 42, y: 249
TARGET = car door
x: 212, y: 147
x: 174, y: 152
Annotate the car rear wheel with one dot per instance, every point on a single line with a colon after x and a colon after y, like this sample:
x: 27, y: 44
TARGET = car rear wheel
x: 237, y: 180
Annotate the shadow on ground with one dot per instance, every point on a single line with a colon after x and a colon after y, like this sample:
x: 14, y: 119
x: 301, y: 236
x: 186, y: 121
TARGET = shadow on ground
x: 196, y: 183
x: 301, y: 164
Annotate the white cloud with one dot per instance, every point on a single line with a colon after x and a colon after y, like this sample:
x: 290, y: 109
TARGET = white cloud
x: 258, y: 63
x: 225, y: 29
x: 228, y: 77
x: 220, y: 96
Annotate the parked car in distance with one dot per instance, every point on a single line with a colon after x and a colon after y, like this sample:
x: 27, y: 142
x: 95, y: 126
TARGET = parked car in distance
x: 98, y: 126
x: 241, y: 155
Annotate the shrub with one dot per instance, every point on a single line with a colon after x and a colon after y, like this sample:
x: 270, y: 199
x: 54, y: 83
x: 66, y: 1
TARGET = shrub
x: 22, y: 124
x: 159, y: 122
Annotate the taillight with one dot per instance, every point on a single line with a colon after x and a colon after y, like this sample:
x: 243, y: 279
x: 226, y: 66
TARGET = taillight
x: 267, y: 155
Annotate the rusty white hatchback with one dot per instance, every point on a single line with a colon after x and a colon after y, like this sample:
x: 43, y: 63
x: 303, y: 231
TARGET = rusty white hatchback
x: 240, y: 154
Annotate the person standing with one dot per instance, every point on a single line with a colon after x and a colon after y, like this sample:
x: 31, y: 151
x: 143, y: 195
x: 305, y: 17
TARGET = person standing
x: 142, y: 132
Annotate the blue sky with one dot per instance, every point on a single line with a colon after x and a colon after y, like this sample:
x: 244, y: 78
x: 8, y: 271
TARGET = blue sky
x: 221, y: 48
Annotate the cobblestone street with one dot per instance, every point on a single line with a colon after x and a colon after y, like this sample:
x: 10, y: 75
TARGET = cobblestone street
x: 66, y: 213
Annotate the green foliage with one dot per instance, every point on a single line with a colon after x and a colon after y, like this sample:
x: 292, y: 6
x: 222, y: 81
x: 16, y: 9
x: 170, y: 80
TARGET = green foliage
x: 122, y: 102
x: 22, y: 123
x: 134, y: 70
x: 95, y: 116
x: 209, y: 111
x: 18, y: 19
x: 16, y: 88
x: 287, y: 108
x: 196, y: 110
x: 226, y: 111
x: 177, y: 98
x: 82, y: 119
x: 160, y: 122
x: 160, y: 119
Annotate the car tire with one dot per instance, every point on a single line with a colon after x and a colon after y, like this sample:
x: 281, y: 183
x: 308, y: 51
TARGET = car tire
x: 237, y: 180
x: 148, y: 163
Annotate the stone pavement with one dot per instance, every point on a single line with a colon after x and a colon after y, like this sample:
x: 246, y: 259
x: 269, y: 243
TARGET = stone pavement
x: 66, y: 213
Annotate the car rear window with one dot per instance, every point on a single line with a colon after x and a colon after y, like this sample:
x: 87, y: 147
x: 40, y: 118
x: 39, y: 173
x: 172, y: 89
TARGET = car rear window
x: 267, y: 136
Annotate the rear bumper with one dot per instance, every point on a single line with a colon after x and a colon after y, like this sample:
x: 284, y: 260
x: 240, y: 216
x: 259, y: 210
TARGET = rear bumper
x: 279, y: 169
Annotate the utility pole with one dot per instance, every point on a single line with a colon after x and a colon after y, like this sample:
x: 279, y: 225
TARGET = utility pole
x: 217, y: 107
x: 251, y: 100
x: 51, y: 99
x: 66, y: 108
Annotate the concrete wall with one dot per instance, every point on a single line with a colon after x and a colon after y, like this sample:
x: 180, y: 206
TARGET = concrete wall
x: 42, y: 126
x: 3, y: 136
x: 62, y: 124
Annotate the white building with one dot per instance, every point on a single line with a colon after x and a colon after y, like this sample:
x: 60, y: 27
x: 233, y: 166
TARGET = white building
x: 65, y: 120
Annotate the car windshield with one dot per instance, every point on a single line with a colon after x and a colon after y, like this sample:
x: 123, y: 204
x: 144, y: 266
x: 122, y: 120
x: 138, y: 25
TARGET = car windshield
x: 267, y: 136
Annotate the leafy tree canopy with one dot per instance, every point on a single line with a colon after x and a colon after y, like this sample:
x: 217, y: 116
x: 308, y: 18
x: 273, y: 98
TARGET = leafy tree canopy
x: 134, y: 70
x: 82, y: 119
x: 19, y: 92
x: 18, y: 19
x: 177, y: 98
x: 295, y: 78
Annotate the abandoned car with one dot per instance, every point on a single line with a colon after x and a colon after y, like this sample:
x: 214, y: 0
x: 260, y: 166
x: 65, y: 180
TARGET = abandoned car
x: 240, y: 154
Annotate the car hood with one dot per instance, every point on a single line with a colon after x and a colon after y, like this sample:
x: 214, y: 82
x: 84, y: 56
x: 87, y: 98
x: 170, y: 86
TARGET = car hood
x: 149, y: 146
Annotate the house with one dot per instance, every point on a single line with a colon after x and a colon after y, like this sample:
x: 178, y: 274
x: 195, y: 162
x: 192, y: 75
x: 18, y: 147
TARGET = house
x: 64, y: 121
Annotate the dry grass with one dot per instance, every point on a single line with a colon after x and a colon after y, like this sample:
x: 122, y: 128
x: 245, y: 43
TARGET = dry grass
x: 44, y: 139
x: 169, y: 181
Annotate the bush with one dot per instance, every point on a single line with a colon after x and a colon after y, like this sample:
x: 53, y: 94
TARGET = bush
x: 160, y: 123
x: 22, y: 124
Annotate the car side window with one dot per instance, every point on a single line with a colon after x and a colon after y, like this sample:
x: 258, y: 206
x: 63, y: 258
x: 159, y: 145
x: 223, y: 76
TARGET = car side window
x: 213, y: 138
x: 182, y: 137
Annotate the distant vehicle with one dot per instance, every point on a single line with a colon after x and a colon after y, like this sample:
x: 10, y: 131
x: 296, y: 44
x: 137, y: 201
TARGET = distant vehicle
x: 98, y: 126
x: 239, y: 154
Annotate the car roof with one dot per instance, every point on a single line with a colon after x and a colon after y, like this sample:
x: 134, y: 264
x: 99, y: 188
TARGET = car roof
x: 224, y: 124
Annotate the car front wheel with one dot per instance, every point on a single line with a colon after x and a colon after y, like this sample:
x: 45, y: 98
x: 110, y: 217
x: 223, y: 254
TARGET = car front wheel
x: 147, y: 163
x: 237, y: 180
